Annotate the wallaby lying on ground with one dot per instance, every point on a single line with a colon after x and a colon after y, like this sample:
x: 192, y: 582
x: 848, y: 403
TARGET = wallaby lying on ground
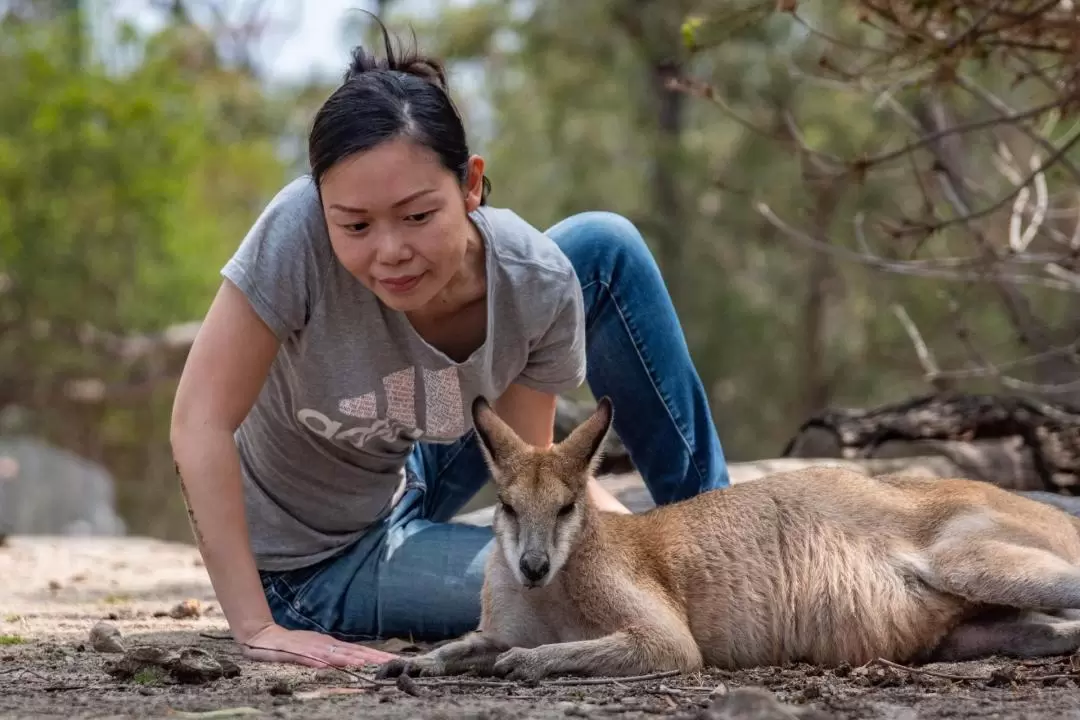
x: 823, y: 566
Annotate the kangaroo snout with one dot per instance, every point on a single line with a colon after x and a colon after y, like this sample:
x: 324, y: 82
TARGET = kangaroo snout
x: 534, y: 565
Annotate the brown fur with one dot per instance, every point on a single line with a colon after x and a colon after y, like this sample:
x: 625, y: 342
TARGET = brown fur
x: 824, y: 566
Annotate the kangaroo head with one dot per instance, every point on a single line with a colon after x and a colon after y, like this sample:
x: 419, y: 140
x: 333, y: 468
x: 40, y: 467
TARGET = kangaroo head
x: 542, y: 492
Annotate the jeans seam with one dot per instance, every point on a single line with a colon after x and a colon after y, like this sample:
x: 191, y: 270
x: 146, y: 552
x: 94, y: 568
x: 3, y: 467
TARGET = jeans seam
x: 452, y: 456
x: 294, y: 607
x: 650, y: 372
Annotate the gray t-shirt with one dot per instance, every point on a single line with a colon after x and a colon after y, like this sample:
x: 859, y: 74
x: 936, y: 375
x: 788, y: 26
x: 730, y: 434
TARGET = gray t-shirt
x: 353, y: 387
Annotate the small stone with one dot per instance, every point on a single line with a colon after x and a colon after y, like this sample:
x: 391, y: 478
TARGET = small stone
x: 139, y: 658
x: 190, y: 608
x: 196, y: 666
x: 54, y: 585
x: 229, y: 669
x: 105, y: 638
x: 281, y: 687
x: 153, y: 655
x: 1002, y: 677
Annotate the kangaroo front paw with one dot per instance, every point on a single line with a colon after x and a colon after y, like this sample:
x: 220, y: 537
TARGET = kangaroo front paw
x: 522, y: 664
x: 420, y: 666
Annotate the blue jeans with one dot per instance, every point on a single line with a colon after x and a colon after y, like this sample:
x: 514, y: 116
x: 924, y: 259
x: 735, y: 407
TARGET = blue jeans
x: 418, y: 575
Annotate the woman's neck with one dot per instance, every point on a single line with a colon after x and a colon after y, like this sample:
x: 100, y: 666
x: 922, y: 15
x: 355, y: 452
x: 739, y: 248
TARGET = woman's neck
x: 467, y: 287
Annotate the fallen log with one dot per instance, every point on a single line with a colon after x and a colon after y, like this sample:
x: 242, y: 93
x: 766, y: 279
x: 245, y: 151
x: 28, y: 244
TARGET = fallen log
x: 1016, y: 442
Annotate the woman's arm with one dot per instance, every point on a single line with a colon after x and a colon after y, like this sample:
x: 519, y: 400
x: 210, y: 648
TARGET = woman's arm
x: 531, y: 414
x: 224, y: 372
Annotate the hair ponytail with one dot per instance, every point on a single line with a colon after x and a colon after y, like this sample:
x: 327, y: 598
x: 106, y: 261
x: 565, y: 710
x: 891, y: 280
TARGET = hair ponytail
x: 402, y: 93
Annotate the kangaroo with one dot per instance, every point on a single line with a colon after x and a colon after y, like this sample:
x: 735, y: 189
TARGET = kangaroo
x: 824, y: 566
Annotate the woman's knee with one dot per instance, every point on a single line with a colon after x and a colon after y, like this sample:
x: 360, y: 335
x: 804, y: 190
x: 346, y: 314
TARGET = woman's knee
x: 601, y: 240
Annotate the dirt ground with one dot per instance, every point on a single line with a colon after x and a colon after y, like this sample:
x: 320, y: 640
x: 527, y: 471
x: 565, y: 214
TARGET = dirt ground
x: 53, y: 592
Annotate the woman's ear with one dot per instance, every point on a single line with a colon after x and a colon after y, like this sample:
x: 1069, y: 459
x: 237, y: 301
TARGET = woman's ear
x: 474, y: 183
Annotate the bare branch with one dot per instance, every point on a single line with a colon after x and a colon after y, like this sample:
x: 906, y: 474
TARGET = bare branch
x: 941, y: 269
x: 926, y: 359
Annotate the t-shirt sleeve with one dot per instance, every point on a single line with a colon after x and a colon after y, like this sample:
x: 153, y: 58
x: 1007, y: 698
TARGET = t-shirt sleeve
x: 556, y: 361
x: 278, y: 265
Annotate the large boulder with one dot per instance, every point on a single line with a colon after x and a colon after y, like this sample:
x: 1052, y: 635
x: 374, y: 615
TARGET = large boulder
x: 49, y: 491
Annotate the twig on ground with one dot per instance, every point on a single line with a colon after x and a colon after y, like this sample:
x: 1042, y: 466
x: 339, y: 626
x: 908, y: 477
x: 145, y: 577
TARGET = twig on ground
x: 975, y: 678
x: 931, y: 673
x: 612, y: 680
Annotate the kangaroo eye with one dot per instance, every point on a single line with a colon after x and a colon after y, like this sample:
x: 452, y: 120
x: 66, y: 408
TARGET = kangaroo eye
x: 566, y: 510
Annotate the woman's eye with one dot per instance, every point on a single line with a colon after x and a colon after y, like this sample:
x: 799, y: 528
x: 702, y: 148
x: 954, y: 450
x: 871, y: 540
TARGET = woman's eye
x: 420, y: 216
x: 566, y: 510
x: 356, y: 227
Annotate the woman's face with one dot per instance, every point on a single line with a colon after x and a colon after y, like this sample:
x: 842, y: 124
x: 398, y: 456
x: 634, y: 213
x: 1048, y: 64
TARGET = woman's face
x: 398, y: 220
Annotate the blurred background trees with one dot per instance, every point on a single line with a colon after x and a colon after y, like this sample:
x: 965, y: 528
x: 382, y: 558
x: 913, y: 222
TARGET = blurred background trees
x: 850, y: 208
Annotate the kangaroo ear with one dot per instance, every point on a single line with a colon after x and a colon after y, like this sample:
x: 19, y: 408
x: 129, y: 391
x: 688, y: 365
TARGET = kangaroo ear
x: 498, y: 441
x: 583, y: 448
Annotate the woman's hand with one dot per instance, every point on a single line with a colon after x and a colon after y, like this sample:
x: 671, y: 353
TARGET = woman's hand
x: 303, y: 647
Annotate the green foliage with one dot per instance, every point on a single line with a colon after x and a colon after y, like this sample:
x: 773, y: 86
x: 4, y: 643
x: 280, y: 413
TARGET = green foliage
x: 122, y: 193
x: 775, y: 329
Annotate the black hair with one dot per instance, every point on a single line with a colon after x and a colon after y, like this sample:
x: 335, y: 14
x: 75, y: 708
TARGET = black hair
x: 402, y: 95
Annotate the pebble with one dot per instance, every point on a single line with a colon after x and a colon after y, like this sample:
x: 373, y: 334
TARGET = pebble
x: 105, y: 638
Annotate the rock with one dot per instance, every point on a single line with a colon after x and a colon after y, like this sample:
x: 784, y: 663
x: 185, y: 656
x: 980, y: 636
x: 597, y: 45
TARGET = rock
x: 190, y: 665
x: 196, y: 666
x: 189, y: 608
x: 139, y: 658
x: 45, y: 490
x: 229, y: 669
x: 105, y: 638
x: 281, y: 688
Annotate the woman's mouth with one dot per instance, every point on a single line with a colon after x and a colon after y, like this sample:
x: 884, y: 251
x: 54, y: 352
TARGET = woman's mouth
x: 401, y: 284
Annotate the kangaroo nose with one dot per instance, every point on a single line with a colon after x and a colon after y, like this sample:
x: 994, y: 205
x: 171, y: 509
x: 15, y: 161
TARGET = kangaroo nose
x: 534, y: 566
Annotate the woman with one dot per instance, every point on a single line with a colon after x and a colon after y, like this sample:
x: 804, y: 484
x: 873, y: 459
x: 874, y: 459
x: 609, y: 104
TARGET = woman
x: 321, y: 427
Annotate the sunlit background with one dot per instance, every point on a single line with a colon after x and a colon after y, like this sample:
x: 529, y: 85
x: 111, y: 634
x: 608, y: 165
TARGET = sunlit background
x: 820, y: 254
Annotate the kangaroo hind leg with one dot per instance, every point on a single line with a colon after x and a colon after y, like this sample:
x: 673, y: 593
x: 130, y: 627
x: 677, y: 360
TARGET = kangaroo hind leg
x: 990, y: 571
x: 1009, y: 633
